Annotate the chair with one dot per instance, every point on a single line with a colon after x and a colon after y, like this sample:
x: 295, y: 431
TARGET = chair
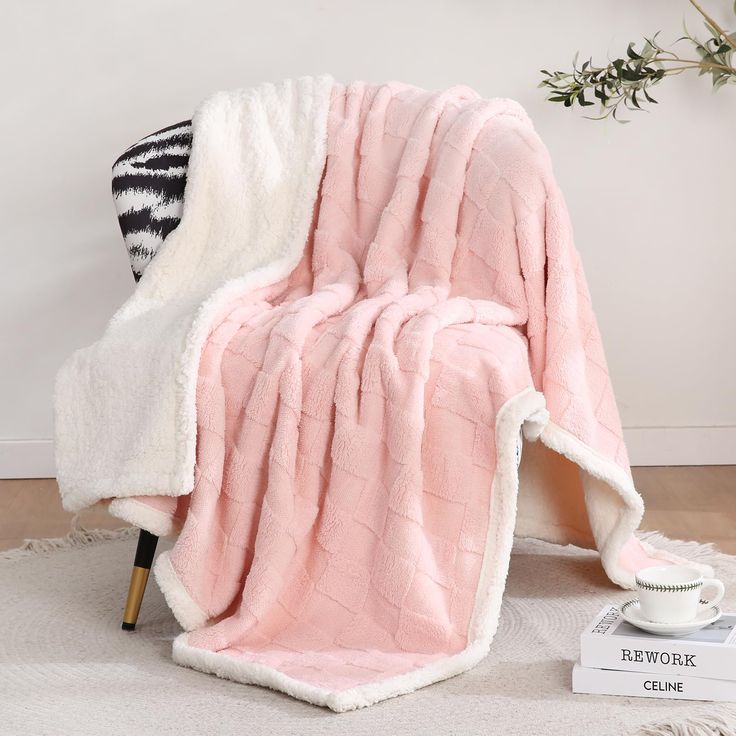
x: 148, y: 189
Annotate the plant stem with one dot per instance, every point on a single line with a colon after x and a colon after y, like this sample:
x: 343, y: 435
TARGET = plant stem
x: 715, y: 25
x: 702, y: 64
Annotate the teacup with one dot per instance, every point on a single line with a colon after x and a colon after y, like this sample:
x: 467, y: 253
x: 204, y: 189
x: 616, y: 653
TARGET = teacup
x: 670, y: 594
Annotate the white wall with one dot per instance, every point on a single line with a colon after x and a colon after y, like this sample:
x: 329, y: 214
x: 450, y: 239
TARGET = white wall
x: 652, y: 201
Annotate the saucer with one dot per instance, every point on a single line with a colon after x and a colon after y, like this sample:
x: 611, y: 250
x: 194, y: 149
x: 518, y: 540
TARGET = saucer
x: 631, y: 612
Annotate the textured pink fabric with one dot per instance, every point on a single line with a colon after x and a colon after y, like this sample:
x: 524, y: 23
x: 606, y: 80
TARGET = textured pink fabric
x: 347, y: 415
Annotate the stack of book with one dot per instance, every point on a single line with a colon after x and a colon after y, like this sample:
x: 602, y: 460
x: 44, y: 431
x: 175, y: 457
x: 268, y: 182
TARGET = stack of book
x: 616, y: 658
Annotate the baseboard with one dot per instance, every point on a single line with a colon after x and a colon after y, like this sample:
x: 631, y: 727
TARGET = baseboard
x: 27, y: 459
x: 647, y: 446
x: 681, y: 445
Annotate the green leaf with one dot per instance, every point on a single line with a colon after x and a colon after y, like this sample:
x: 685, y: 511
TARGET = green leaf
x: 631, y: 53
x: 719, y: 81
x: 649, y: 97
x: 618, y: 120
x: 583, y: 102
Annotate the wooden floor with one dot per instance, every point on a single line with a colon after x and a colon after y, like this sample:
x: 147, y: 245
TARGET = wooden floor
x: 682, y: 502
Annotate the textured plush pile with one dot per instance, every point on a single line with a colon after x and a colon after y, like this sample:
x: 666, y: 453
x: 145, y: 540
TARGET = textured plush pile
x: 67, y: 668
x: 360, y: 389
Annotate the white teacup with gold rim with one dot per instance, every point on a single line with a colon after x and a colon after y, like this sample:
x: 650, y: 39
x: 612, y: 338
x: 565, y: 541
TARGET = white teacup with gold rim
x: 671, y: 594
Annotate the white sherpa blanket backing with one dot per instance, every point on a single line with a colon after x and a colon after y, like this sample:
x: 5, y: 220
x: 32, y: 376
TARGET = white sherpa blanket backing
x: 254, y: 173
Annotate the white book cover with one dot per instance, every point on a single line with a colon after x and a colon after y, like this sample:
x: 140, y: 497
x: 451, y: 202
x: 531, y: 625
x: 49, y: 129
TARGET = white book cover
x: 610, y: 642
x: 647, y: 685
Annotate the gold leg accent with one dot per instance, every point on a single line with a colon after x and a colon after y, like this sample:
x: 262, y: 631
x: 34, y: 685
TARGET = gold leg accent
x: 138, y: 580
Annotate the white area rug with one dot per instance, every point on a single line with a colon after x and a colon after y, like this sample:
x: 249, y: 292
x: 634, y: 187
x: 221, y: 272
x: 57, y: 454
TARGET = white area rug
x: 67, y: 668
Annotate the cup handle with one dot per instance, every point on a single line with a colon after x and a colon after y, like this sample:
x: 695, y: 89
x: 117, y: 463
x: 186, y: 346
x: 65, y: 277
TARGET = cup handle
x: 720, y: 591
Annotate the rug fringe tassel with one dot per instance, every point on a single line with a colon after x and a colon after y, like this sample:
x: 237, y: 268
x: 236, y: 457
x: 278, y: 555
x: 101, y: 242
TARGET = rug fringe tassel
x: 696, y: 551
x: 77, y: 537
x: 706, y: 725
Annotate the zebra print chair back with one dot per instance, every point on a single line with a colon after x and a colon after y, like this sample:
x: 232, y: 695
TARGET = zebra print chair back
x: 148, y: 189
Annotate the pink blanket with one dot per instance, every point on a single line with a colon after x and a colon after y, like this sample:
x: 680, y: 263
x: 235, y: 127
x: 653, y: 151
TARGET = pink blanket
x: 355, y: 498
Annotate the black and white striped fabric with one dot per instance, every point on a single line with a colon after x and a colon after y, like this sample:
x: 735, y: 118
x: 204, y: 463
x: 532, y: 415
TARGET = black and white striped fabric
x: 148, y: 188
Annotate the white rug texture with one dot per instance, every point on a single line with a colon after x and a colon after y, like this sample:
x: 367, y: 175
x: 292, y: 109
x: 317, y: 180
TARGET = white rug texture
x: 66, y: 667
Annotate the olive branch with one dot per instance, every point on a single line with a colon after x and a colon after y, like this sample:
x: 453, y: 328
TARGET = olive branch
x: 627, y: 82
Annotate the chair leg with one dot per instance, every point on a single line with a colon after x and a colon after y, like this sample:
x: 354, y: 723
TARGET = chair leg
x: 139, y: 577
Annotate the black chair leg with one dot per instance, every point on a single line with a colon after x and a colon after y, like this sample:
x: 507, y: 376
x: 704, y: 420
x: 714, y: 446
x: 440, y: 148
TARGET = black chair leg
x: 139, y: 577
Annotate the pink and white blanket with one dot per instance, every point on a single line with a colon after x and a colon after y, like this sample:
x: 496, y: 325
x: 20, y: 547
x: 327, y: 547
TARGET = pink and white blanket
x: 373, y: 289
